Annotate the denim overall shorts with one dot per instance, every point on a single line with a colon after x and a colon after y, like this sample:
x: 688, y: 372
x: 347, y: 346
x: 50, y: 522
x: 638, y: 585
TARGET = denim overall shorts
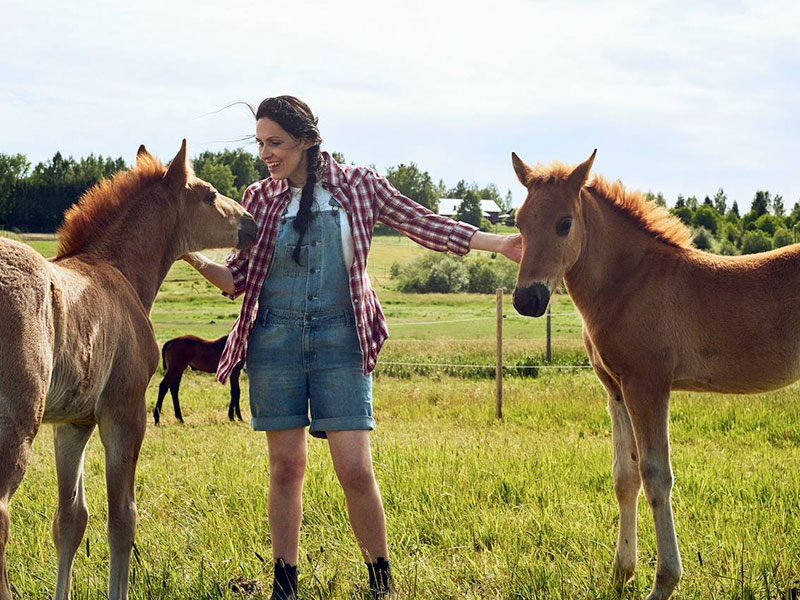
x: 303, y: 354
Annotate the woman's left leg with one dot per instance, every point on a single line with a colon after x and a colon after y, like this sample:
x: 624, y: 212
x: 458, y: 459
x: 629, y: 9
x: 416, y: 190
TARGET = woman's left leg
x: 352, y: 460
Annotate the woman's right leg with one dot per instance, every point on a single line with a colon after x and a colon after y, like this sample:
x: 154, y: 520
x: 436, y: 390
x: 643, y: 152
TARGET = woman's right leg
x: 287, y: 464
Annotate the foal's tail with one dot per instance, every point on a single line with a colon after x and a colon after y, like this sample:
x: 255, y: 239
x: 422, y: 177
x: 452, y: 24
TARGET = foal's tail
x: 164, y: 353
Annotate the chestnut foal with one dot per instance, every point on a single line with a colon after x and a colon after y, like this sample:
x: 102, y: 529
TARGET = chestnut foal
x: 77, y: 348
x: 658, y: 315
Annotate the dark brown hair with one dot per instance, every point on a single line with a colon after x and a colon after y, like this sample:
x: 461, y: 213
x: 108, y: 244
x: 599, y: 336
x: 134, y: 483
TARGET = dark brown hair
x: 296, y: 118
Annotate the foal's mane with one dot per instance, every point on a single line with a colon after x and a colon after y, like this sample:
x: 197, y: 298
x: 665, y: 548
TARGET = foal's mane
x: 650, y: 217
x: 99, y: 207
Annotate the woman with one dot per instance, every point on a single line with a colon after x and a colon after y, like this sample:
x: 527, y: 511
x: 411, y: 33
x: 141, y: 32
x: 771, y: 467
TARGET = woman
x: 311, y: 326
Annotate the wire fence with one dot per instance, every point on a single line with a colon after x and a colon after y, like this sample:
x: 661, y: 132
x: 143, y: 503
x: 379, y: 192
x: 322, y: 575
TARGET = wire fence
x: 498, y: 369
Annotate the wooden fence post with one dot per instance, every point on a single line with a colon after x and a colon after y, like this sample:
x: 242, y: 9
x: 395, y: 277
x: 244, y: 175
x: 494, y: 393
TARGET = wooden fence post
x: 498, y: 368
x: 548, y: 353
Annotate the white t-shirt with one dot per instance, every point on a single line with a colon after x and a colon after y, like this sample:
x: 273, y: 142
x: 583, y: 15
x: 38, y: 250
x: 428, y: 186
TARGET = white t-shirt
x: 322, y: 197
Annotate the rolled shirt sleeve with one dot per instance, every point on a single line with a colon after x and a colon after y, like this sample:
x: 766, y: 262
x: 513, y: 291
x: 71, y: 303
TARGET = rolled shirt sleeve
x: 436, y: 232
x: 239, y: 260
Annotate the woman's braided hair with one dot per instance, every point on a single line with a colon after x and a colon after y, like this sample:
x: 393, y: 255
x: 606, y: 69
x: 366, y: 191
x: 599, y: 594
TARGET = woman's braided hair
x: 296, y: 118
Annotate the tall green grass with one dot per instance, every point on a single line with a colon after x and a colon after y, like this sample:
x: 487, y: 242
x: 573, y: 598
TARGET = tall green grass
x: 477, y: 508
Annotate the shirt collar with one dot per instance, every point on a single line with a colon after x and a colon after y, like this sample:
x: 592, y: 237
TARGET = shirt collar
x: 332, y: 175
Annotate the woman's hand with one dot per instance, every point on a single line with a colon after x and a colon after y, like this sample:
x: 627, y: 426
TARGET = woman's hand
x: 511, y: 247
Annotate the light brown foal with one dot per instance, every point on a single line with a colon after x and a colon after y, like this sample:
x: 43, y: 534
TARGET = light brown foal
x: 77, y: 347
x: 658, y: 315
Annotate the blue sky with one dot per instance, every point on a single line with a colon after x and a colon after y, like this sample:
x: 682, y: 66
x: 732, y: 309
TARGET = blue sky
x: 678, y: 97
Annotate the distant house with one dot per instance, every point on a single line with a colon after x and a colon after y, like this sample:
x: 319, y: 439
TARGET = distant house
x: 449, y: 207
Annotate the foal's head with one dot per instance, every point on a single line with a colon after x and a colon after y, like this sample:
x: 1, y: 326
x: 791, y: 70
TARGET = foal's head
x: 207, y: 219
x: 551, y: 224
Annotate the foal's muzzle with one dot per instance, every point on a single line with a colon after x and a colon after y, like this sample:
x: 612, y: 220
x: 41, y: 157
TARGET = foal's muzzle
x: 248, y: 230
x: 531, y: 301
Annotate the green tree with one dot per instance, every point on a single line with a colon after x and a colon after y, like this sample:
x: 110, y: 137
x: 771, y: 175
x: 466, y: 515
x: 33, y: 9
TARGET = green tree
x: 691, y: 203
x: 761, y: 202
x: 683, y: 213
x: 705, y: 216
x: 469, y: 210
x: 411, y: 181
x: 721, y: 201
x: 768, y: 224
x: 777, y: 206
x: 220, y: 176
x: 727, y: 248
x: 782, y: 237
x: 460, y: 190
x: 794, y: 216
x: 735, y: 209
x: 680, y: 202
x: 756, y: 241
x: 702, y: 239
x: 13, y: 169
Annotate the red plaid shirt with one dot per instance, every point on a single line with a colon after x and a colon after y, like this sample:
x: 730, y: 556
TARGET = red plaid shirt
x: 366, y: 198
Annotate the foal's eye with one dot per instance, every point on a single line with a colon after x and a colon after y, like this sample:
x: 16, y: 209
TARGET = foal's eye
x: 211, y: 197
x: 562, y: 227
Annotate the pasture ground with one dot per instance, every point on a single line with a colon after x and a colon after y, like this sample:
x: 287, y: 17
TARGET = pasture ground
x: 477, y: 508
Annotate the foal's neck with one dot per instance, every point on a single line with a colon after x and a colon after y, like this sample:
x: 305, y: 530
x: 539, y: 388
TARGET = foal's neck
x: 615, y: 249
x: 142, y: 246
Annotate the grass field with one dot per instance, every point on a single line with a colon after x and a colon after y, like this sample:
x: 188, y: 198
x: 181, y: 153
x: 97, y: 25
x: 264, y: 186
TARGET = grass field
x: 477, y: 508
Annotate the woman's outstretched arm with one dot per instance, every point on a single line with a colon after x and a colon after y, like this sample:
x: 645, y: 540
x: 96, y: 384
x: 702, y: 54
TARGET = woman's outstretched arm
x: 509, y: 246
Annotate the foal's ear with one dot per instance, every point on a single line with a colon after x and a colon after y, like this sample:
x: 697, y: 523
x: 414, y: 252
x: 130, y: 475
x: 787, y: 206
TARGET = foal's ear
x: 177, y: 175
x: 142, y: 156
x: 523, y: 171
x: 579, y: 175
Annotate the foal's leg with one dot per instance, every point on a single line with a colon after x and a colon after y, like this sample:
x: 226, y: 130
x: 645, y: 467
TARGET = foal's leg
x: 625, y: 470
x: 627, y: 482
x: 163, y: 387
x: 173, y: 390
x: 22, y: 394
x: 649, y: 412
x: 122, y: 440
x: 235, y: 394
x: 70, y: 521
x: 14, y: 448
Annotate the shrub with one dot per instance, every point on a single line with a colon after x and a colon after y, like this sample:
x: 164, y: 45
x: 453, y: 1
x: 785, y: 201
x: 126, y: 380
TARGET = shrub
x: 440, y: 273
x: 782, y: 237
x: 702, y: 240
x: 706, y: 217
x: 756, y: 241
x: 728, y: 248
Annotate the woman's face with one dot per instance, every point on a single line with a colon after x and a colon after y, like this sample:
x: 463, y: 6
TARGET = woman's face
x: 284, y: 154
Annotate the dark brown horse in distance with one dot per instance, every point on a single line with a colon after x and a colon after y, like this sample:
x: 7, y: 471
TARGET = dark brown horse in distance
x: 658, y: 315
x: 77, y: 348
x: 200, y: 355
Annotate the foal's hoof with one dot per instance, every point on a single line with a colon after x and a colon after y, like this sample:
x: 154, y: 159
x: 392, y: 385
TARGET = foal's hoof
x: 621, y: 575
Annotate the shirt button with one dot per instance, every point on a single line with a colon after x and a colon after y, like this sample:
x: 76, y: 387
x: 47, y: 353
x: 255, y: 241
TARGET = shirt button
x: 355, y: 301
x: 310, y: 297
x: 312, y: 270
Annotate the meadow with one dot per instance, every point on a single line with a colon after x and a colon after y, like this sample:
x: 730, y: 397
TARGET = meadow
x: 518, y: 508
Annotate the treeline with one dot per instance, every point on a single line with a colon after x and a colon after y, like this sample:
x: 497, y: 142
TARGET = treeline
x: 34, y: 198
x: 720, y: 228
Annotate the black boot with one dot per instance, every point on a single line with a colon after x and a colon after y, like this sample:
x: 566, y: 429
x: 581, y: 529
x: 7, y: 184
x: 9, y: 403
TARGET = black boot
x: 381, y: 584
x: 284, y: 583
